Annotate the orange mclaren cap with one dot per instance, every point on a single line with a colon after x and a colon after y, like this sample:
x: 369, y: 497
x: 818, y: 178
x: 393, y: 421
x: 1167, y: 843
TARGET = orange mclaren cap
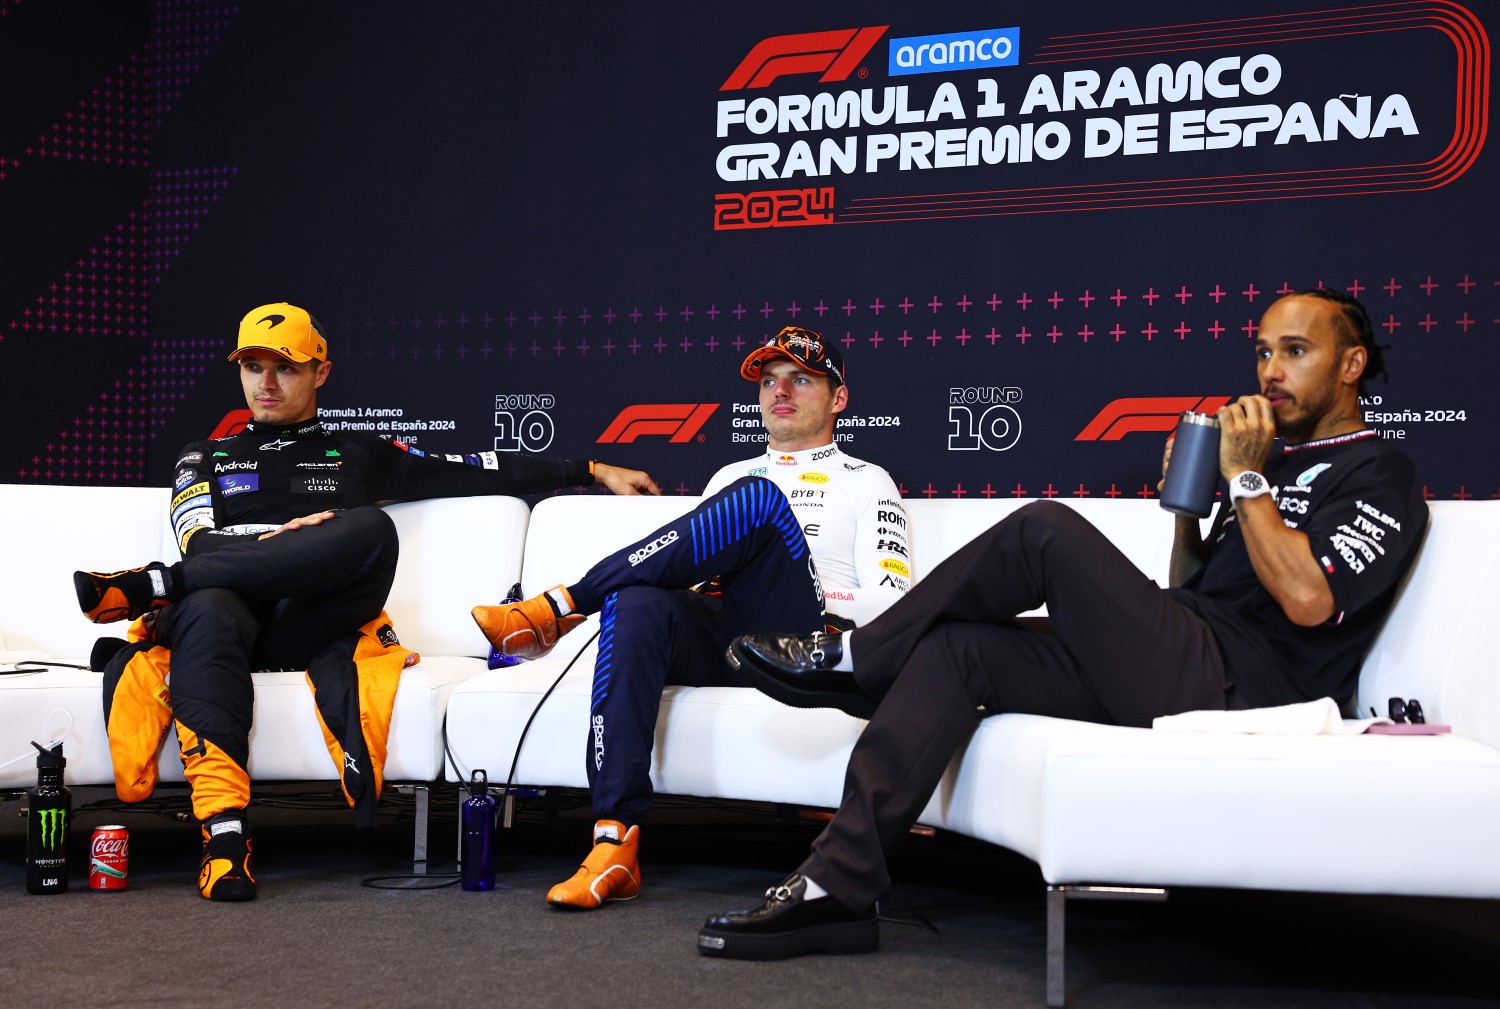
x: 282, y: 329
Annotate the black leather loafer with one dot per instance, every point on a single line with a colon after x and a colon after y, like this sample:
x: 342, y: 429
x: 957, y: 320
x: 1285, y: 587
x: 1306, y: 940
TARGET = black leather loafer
x: 786, y: 924
x: 798, y: 670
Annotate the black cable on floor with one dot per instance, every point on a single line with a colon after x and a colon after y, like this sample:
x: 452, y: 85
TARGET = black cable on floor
x: 448, y: 879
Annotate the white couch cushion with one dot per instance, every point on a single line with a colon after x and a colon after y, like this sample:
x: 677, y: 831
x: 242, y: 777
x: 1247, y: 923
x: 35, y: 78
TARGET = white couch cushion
x: 454, y: 553
x: 1441, y: 643
x: 52, y: 532
x: 1351, y: 814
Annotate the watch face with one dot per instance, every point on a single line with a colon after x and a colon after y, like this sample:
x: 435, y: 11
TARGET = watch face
x: 1251, y: 481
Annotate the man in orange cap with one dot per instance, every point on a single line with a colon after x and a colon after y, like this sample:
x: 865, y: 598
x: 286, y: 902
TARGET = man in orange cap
x: 285, y: 556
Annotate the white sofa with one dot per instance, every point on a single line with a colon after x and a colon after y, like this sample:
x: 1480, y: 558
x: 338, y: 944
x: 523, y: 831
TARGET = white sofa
x: 453, y: 553
x: 1105, y: 811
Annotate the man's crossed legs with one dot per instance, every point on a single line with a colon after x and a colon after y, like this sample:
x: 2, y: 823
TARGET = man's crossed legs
x: 654, y: 631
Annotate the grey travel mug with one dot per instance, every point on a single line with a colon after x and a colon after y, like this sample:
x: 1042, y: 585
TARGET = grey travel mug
x: 1193, y: 473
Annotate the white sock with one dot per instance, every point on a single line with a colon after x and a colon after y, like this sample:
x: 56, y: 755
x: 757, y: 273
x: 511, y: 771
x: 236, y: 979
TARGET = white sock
x: 845, y: 664
x: 559, y: 600
x: 813, y: 891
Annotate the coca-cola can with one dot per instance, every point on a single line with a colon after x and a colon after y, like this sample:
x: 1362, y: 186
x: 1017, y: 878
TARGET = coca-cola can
x: 108, y: 855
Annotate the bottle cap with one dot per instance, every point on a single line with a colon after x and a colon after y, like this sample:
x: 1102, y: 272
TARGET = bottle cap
x: 51, y: 759
x: 1205, y: 419
x: 479, y: 783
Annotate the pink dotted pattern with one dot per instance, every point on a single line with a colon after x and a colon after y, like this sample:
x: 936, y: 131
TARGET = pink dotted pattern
x: 182, y: 34
x: 105, y: 294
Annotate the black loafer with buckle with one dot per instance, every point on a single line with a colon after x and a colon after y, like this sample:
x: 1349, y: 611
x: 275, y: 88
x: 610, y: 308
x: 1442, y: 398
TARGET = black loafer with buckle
x: 798, y: 670
x: 787, y: 924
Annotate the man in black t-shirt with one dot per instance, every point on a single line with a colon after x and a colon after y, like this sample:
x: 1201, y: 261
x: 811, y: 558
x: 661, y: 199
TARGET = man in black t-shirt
x: 286, y: 556
x: 1278, y: 605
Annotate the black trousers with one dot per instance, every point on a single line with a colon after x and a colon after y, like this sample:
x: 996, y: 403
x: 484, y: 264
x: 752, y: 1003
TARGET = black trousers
x: 263, y: 604
x: 1115, y: 649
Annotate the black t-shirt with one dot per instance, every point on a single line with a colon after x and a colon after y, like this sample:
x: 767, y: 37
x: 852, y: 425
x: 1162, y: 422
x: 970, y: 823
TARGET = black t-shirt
x: 264, y: 476
x: 1361, y: 506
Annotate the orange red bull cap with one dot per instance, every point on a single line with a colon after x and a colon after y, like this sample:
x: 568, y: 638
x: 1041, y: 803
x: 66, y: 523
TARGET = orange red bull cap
x: 804, y: 346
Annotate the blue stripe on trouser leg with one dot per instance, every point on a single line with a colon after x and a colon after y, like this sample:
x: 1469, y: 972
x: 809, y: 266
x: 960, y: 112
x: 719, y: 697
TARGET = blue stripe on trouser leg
x: 659, y: 637
x: 605, y: 658
x: 749, y: 523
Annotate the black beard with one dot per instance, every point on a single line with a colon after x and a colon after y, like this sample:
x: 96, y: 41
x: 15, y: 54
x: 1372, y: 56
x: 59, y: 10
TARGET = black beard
x: 1297, y: 431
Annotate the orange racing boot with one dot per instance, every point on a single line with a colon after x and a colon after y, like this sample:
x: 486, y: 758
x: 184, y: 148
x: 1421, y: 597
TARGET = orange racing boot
x: 611, y: 872
x: 530, y: 628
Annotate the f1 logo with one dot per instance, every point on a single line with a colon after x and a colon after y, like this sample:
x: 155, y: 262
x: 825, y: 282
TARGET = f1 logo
x: 233, y: 422
x: 834, y: 54
x: 679, y: 420
x: 1145, y: 413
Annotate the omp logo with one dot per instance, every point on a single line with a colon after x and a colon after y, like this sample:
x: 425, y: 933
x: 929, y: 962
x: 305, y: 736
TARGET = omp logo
x: 978, y: 50
x: 664, y: 540
x: 679, y: 421
x: 233, y: 422
x: 1145, y: 413
x: 834, y: 54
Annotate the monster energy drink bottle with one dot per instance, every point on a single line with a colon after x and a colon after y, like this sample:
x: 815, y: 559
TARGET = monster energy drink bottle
x: 48, y: 809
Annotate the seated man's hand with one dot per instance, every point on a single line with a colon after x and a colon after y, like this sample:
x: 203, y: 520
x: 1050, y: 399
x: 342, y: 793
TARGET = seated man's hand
x: 624, y: 481
x: 316, y: 518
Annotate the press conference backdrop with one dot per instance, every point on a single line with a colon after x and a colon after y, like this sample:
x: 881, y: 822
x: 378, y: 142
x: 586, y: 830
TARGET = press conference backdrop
x: 1038, y: 230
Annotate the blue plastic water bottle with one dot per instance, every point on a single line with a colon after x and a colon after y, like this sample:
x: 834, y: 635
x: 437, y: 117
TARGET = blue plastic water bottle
x: 477, y: 824
x: 496, y: 659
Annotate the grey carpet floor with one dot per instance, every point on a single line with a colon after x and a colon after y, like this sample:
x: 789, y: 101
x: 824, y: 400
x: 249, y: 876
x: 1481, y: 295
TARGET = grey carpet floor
x: 317, y: 937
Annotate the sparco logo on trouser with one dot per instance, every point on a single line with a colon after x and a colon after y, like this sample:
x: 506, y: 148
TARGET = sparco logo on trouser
x: 650, y: 548
x: 598, y: 742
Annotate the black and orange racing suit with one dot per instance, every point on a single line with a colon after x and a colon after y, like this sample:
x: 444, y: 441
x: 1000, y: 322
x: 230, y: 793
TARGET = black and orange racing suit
x: 308, y: 599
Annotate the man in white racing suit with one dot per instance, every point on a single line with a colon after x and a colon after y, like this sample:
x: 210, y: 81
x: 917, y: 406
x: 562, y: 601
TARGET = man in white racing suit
x: 775, y: 539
